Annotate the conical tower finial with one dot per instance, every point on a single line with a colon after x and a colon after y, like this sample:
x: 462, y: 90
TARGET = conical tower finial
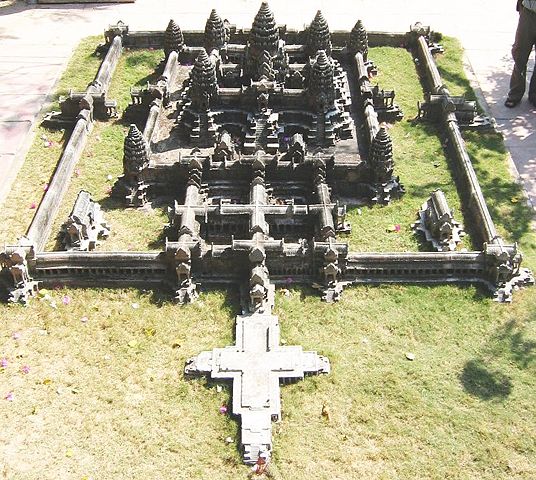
x: 319, y: 37
x: 359, y: 40
x: 135, y: 151
x: 321, y: 82
x: 173, y: 38
x: 215, y: 34
x: 264, y: 33
x: 203, y: 81
x: 381, y: 156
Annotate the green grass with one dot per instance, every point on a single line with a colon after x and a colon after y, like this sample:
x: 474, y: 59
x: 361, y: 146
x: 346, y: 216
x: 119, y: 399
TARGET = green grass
x: 132, y: 229
x: 419, y: 161
x: 106, y: 398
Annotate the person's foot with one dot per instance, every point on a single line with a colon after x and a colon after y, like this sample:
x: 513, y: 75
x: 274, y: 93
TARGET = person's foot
x: 511, y: 103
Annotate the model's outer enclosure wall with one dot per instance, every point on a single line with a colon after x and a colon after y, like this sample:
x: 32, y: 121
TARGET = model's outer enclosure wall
x: 470, y: 188
x: 99, y: 269
x: 196, y: 38
x: 41, y: 225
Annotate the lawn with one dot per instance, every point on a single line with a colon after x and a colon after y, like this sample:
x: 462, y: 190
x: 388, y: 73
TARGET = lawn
x: 92, y: 384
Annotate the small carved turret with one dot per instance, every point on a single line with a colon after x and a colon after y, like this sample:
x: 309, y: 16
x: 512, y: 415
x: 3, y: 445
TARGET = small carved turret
x: 215, y: 32
x: 358, y: 40
x: 136, y: 152
x: 173, y: 39
x: 381, y: 156
x: 264, y: 33
x: 319, y: 37
x: 321, y: 82
x: 203, y: 81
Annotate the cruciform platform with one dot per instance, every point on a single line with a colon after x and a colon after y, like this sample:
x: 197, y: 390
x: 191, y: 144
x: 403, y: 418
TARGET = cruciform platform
x: 256, y: 365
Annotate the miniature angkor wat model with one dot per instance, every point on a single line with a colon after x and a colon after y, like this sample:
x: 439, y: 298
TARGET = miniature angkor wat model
x: 261, y: 136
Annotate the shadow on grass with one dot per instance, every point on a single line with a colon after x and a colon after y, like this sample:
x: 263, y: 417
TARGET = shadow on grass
x: 481, y: 382
x: 509, y: 344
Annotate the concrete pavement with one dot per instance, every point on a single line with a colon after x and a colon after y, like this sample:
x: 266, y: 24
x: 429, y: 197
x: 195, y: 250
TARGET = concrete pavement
x: 37, y: 41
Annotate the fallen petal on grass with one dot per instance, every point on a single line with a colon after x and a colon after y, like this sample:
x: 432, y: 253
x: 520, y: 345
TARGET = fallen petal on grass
x: 9, y: 397
x: 25, y: 369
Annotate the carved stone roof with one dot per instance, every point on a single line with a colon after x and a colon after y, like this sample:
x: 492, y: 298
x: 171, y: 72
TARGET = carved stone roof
x: 381, y: 155
x: 215, y: 35
x: 321, y: 78
x: 173, y: 38
x: 135, y: 150
x: 319, y: 36
x: 359, y: 40
x: 264, y: 33
x: 203, y: 78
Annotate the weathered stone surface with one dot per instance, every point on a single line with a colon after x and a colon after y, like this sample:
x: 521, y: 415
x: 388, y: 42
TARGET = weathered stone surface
x: 437, y: 223
x: 85, y: 225
x: 319, y: 36
x: 256, y: 365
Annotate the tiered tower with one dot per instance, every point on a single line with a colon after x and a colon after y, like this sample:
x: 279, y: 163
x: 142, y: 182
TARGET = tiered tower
x: 136, y: 152
x: 203, y: 82
x: 321, y: 83
x: 319, y: 36
x: 263, y: 42
x: 215, y: 33
x: 358, y: 41
x: 381, y: 156
x: 173, y: 39
x: 264, y: 33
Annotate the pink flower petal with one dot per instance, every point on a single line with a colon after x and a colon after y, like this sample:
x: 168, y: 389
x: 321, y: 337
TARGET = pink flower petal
x: 33, y: 206
x: 9, y: 397
x: 4, y: 363
x: 15, y: 335
x: 223, y: 409
x: 66, y: 300
x: 45, y: 187
x: 25, y: 369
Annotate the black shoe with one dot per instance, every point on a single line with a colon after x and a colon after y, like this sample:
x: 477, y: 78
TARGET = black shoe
x: 511, y: 103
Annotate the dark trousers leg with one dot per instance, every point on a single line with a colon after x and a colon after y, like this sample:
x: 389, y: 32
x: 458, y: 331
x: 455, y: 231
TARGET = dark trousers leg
x: 524, y: 42
x: 532, y: 87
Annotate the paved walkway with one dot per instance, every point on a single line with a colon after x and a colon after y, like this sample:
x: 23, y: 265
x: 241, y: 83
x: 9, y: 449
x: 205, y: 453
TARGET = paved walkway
x: 37, y: 41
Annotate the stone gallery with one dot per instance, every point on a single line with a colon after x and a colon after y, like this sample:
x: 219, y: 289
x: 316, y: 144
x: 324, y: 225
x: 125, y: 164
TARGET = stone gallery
x: 262, y: 136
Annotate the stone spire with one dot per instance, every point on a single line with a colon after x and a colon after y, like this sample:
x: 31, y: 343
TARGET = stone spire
x: 136, y: 152
x: 173, y: 39
x: 319, y: 37
x: 202, y: 81
x: 359, y: 40
x: 264, y: 33
x: 321, y: 82
x: 215, y: 34
x: 381, y: 156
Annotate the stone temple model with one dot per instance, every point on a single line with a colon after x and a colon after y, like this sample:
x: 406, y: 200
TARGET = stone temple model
x: 259, y: 138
